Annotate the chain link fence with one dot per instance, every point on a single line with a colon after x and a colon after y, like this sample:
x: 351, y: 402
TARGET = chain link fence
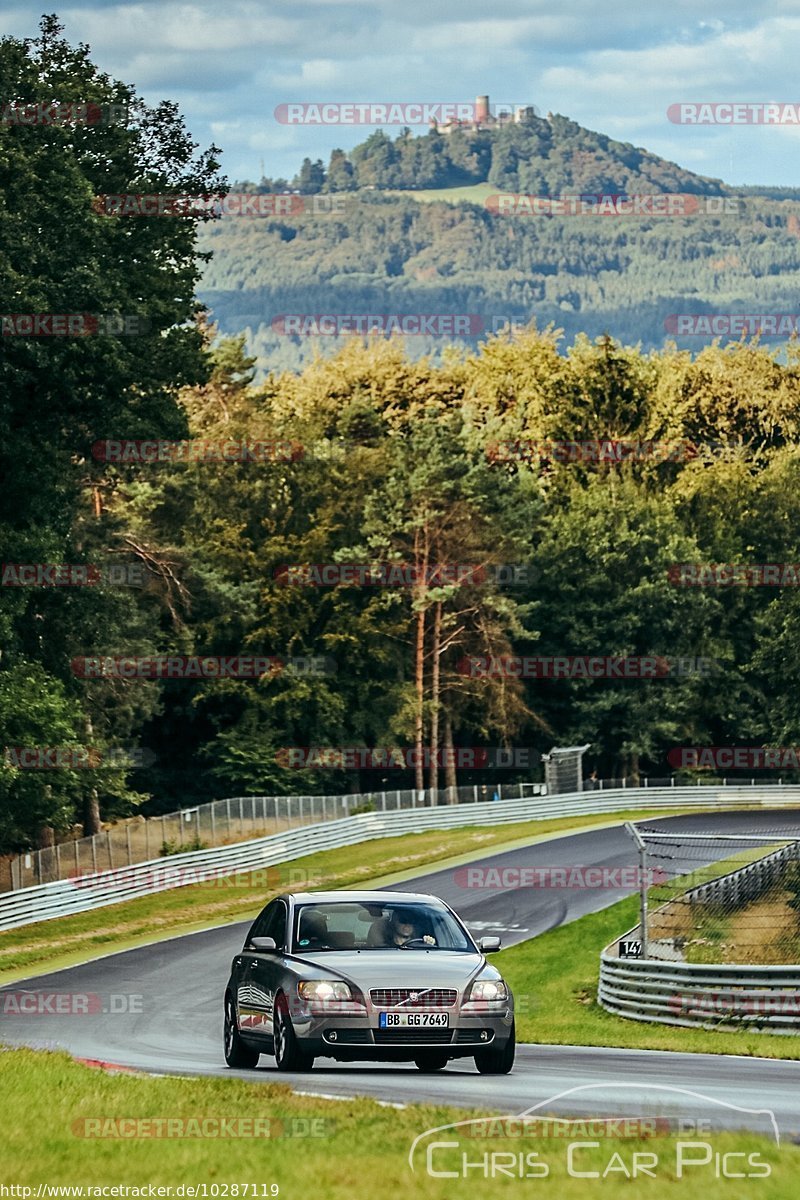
x: 717, y: 897
x: 222, y: 823
x: 241, y: 818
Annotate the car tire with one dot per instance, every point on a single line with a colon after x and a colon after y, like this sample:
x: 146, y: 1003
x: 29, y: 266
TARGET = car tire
x: 288, y: 1054
x: 435, y: 1061
x: 237, y: 1052
x: 497, y: 1060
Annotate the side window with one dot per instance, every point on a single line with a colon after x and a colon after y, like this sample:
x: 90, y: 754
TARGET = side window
x: 275, y: 924
x: 271, y: 923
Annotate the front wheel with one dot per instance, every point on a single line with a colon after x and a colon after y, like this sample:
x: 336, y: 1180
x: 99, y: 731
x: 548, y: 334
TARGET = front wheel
x: 497, y: 1060
x: 432, y: 1062
x: 288, y: 1054
x: 237, y: 1052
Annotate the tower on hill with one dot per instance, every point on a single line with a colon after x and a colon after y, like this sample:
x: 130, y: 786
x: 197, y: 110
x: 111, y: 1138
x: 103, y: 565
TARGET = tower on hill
x: 485, y: 119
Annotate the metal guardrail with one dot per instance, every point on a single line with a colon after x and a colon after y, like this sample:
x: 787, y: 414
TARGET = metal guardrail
x: 746, y: 883
x: 96, y: 890
x: 713, y: 996
x: 139, y: 839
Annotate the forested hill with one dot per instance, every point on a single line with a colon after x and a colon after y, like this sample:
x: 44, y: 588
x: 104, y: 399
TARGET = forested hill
x: 373, y: 235
x: 541, y: 156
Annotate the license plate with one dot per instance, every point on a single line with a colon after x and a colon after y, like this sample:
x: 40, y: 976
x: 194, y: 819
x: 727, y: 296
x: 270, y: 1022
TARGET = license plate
x: 418, y: 1020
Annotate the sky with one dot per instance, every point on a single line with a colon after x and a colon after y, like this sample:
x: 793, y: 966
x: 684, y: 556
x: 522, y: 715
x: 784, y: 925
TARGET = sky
x: 614, y: 68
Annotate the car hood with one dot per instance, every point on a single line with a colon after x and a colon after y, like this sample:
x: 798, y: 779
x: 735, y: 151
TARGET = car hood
x: 399, y: 968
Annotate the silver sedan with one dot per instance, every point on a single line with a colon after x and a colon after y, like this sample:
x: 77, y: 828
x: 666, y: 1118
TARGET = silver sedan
x: 383, y: 976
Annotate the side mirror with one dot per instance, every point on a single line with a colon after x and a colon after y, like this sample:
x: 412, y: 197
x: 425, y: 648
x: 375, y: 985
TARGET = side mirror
x: 263, y: 944
x: 487, y: 945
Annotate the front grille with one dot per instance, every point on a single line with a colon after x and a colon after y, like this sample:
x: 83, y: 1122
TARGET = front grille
x: 426, y: 997
x: 412, y: 1037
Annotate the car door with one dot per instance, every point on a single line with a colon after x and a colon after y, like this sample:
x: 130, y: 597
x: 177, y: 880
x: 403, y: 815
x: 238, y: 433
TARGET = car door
x: 259, y: 972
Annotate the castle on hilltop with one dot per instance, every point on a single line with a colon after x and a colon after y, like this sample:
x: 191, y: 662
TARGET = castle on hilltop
x: 485, y: 119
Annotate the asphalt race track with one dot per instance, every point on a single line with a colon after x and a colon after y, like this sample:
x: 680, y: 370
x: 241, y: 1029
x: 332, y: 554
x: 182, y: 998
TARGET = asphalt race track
x: 177, y: 989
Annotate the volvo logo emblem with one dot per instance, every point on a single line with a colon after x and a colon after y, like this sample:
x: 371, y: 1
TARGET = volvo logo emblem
x: 413, y: 997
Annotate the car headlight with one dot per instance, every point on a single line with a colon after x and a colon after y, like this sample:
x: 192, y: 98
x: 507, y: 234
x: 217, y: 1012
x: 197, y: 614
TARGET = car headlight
x: 488, y: 989
x: 324, y: 989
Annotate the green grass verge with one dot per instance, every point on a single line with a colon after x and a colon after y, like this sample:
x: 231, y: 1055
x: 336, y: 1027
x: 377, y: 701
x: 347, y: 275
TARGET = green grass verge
x: 475, y: 193
x: 359, y: 1149
x: 554, y: 976
x: 65, y: 941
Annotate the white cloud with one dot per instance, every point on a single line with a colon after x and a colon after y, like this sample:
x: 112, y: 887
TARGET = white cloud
x: 614, y: 70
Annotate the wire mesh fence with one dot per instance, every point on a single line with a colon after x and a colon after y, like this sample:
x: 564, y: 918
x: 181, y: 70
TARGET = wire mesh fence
x: 221, y: 823
x: 241, y: 818
x: 717, y: 897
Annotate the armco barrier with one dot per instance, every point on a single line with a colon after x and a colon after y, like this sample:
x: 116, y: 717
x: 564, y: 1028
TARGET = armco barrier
x: 746, y: 884
x: 715, y: 996
x: 49, y: 900
x: 217, y: 823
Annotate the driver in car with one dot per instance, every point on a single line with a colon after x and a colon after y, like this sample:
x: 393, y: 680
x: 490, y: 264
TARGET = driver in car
x: 403, y: 928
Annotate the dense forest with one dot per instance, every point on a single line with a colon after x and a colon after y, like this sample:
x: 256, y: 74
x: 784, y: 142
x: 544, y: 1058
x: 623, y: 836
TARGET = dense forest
x: 352, y: 243
x: 400, y: 462
x: 380, y: 254
x: 542, y: 156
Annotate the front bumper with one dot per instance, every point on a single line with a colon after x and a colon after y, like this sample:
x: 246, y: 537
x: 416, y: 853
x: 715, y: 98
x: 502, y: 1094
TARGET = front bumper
x: 350, y: 1035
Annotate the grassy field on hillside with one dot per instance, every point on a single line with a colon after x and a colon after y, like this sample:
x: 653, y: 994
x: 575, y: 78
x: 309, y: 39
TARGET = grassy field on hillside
x: 474, y: 193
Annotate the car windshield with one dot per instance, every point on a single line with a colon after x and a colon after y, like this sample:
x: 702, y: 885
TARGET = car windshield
x: 381, y: 926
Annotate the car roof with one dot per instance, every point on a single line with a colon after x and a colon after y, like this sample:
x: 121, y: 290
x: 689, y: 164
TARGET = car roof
x: 386, y: 898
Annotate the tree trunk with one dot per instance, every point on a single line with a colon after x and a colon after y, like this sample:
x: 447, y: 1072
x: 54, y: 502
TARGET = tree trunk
x: 433, y: 773
x: 91, y: 813
x: 450, y: 776
x: 421, y: 562
x: 634, y: 769
x: 47, y: 837
x: 419, y: 778
x: 91, y: 804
